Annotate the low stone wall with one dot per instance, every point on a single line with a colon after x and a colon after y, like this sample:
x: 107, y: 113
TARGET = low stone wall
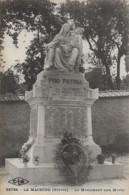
x: 14, y: 128
x: 110, y: 116
x: 15, y: 116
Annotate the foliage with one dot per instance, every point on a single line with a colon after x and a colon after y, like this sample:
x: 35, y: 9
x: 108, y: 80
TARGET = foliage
x: 97, y: 79
x: 73, y: 159
x: 39, y: 18
x: 105, y: 23
x: 101, y: 158
x: 25, y: 149
x: 127, y: 61
x: 106, y: 30
x: 31, y: 15
x: 25, y: 158
x: 23, y: 152
x: 36, y: 158
x: 8, y: 82
x: 113, y: 156
x: 125, y: 82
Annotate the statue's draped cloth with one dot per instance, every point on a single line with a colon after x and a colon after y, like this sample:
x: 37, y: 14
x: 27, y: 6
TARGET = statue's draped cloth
x: 66, y: 51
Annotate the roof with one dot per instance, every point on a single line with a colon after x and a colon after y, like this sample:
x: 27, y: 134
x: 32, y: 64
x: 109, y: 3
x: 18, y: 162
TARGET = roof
x: 102, y: 94
x: 113, y: 93
x: 12, y: 97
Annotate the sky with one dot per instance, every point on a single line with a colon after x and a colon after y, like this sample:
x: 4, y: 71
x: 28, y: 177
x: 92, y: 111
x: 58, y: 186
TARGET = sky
x: 12, y: 54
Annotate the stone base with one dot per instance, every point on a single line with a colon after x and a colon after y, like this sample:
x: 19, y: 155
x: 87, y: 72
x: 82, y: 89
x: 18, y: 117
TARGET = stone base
x: 48, y: 150
x: 43, y: 173
x: 93, y: 147
x: 46, y: 172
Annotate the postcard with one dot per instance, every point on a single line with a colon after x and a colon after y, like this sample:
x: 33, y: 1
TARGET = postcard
x: 64, y: 97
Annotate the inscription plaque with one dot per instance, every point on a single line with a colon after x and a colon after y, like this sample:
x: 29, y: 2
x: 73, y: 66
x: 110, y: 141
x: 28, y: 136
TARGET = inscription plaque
x: 60, y: 119
x: 69, y: 89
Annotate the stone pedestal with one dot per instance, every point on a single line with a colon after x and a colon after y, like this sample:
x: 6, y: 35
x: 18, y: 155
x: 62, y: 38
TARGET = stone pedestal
x: 47, y: 173
x: 59, y: 102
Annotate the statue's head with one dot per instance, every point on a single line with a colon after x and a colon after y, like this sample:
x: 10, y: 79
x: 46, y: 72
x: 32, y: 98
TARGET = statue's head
x: 79, y: 31
x: 65, y: 28
x: 72, y: 24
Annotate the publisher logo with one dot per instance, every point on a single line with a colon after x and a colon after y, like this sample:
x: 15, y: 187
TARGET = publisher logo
x: 18, y: 181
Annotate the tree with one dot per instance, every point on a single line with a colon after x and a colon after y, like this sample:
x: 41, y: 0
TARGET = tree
x: 96, y: 78
x: 125, y: 82
x: 106, y: 29
x: 8, y: 82
x: 127, y: 59
x: 38, y: 17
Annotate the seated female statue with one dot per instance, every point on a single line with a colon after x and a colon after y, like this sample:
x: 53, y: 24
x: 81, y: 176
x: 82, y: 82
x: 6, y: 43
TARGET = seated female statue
x: 65, y: 51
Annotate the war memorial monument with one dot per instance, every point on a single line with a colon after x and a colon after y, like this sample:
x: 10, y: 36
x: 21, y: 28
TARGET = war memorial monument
x: 60, y: 101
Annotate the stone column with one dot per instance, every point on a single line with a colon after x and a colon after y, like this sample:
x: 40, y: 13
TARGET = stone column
x: 90, y: 142
x: 33, y: 126
x: 38, y: 148
x: 89, y: 126
x: 33, y: 121
x: 40, y: 125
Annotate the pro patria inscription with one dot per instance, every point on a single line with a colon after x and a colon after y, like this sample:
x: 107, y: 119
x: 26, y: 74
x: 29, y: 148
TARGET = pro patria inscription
x: 65, y: 89
x: 65, y: 81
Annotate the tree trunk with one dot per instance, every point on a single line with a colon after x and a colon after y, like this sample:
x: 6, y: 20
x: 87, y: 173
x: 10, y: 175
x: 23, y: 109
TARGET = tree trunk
x: 108, y: 75
x: 100, y: 54
x: 118, y: 80
x: 109, y: 78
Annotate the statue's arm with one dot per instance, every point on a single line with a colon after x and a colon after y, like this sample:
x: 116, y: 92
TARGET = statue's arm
x: 80, y: 45
x: 53, y: 43
x: 79, y: 50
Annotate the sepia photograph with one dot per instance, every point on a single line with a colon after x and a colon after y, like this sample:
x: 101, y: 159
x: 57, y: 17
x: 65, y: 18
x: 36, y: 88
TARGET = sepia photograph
x: 64, y: 97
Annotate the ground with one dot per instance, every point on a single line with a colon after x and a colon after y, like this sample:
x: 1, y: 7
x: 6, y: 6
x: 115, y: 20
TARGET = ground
x: 117, y: 185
